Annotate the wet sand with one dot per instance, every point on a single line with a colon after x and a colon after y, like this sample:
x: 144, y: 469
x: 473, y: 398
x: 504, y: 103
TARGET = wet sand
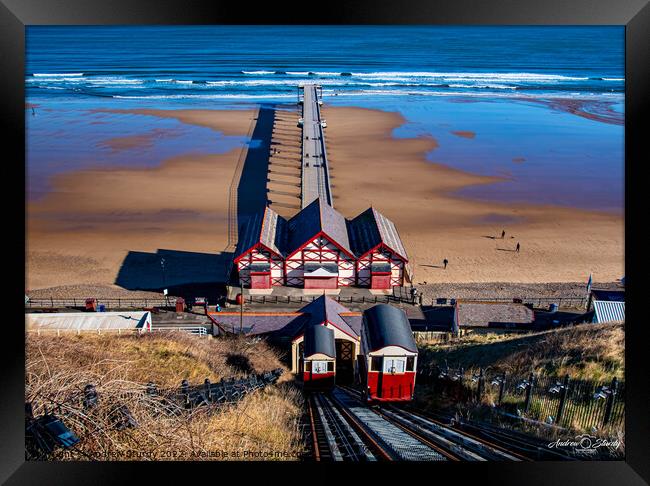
x: 81, y: 232
x: 557, y: 244
x: 464, y: 134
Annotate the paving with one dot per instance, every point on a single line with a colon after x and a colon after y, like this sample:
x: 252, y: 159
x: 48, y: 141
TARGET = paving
x: 315, y: 176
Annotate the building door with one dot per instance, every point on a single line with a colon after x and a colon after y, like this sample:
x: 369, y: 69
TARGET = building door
x: 379, y: 281
x: 344, y: 361
x: 261, y: 281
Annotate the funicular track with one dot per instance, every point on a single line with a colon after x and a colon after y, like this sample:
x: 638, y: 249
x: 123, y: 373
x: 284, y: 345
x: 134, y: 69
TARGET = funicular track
x: 346, y: 429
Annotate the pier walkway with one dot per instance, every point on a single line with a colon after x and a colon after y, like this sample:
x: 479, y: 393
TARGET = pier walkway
x: 315, y: 170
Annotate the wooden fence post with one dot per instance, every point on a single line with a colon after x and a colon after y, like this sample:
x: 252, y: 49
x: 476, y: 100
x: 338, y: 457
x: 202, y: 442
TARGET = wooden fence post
x: 481, y: 384
x: 502, y: 388
x: 563, y: 394
x: 529, y: 392
x: 609, y: 404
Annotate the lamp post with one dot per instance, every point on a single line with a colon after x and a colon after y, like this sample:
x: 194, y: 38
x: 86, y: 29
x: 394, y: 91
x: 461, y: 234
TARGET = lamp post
x: 162, y: 266
x: 241, y: 307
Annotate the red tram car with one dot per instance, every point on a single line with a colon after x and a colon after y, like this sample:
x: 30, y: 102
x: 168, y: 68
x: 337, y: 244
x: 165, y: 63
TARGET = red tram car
x: 388, y: 360
x: 319, y: 359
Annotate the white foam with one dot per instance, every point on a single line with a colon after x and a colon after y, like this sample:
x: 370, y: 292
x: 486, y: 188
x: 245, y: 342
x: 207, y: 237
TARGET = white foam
x: 258, y: 72
x: 613, y: 79
x: 298, y: 73
x: 205, y: 96
x: 55, y: 75
x: 469, y: 76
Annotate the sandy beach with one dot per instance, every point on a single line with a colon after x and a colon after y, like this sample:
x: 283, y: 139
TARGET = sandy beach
x: 83, y: 229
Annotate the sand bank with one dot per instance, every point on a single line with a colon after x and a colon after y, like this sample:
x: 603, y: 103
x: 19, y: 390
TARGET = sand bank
x: 81, y: 232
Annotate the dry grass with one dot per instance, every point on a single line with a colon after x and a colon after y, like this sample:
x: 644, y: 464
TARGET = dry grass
x: 260, y: 426
x: 590, y: 352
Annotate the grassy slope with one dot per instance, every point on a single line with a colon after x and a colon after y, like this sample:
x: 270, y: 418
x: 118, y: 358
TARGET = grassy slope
x: 585, y: 352
x: 59, y: 367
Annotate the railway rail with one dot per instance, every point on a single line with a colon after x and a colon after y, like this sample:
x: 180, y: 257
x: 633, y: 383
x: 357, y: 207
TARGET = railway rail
x: 346, y: 429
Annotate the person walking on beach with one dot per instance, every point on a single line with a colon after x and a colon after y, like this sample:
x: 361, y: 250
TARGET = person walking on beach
x: 518, y: 246
x: 503, y: 234
x: 444, y: 262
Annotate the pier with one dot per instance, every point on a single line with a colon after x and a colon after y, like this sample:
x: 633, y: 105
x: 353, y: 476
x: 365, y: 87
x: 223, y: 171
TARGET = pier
x: 314, y: 169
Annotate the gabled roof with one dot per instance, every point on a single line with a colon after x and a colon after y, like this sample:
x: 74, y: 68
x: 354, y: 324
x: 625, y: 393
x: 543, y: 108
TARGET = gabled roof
x: 325, y: 309
x: 267, y: 228
x: 318, y: 217
x: 385, y: 325
x: 285, y: 324
x: 319, y: 340
x: 371, y: 228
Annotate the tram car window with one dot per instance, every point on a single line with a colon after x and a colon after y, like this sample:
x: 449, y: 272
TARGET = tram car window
x: 388, y: 355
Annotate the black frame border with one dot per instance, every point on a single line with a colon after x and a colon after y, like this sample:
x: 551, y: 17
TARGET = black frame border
x: 634, y: 14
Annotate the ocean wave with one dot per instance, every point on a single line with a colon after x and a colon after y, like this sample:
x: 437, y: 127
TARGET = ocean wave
x: 613, y: 79
x: 204, y: 96
x: 482, y: 86
x: 258, y: 72
x: 56, y: 75
x: 472, y: 76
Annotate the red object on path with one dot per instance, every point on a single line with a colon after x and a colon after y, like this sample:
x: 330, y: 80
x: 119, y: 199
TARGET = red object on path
x: 91, y: 305
x: 239, y: 299
x: 180, y: 304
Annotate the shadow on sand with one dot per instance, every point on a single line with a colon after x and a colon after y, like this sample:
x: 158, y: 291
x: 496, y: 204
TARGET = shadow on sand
x: 191, y: 274
x: 251, y: 190
x: 184, y: 273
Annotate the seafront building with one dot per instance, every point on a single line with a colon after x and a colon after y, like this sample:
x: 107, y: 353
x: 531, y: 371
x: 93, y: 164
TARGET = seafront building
x: 319, y: 248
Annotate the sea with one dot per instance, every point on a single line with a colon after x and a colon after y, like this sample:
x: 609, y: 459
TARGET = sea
x: 542, y: 107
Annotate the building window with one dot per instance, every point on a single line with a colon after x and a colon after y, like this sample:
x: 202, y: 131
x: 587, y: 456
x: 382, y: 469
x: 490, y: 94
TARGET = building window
x: 307, y: 365
x: 330, y: 366
x: 410, y: 363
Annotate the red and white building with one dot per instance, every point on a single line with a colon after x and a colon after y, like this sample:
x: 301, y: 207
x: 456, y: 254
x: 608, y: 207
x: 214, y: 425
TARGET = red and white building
x: 381, y: 257
x: 319, y: 249
x: 318, y: 253
x: 260, y: 254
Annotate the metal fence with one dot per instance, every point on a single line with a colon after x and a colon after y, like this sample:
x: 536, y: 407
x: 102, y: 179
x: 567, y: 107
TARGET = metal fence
x: 573, y: 404
x: 108, y: 304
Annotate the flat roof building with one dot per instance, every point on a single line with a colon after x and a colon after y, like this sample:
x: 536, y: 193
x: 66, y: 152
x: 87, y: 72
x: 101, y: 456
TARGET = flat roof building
x: 88, y: 321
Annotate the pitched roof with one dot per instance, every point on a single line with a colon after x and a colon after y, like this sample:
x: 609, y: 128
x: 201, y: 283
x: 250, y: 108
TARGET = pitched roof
x: 316, y: 217
x: 371, y: 228
x: 488, y: 314
x: 291, y: 324
x: 286, y: 324
x: 385, y: 325
x: 325, y: 309
x: 267, y: 228
x: 319, y: 339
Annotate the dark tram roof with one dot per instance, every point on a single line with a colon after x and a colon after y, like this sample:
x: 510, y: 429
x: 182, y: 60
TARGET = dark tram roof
x: 385, y: 325
x: 319, y: 339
